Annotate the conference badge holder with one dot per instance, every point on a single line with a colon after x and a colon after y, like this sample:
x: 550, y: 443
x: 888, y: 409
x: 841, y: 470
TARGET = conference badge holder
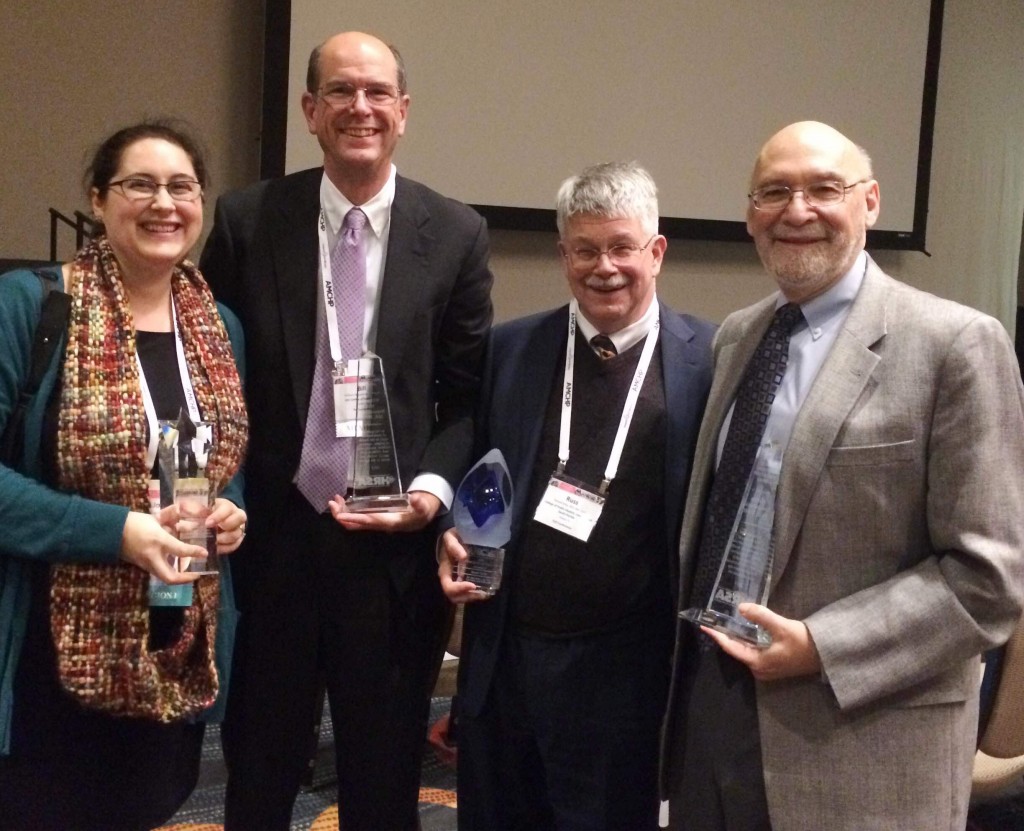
x: 570, y: 506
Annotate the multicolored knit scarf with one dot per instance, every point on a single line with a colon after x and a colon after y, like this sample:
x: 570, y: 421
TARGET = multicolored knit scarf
x: 99, y: 614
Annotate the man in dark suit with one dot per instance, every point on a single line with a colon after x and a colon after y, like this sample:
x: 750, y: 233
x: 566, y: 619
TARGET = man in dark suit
x: 564, y: 672
x: 345, y: 602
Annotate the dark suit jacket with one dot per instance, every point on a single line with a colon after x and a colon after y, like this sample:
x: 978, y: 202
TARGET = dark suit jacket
x: 434, y: 315
x: 524, y: 357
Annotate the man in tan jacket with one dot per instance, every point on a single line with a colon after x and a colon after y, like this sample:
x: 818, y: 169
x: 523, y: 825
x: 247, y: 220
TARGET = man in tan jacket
x: 898, y: 531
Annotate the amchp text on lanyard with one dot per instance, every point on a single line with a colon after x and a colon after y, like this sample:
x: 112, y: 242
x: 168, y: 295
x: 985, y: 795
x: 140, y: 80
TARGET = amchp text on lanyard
x: 568, y: 505
x: 345, y: 372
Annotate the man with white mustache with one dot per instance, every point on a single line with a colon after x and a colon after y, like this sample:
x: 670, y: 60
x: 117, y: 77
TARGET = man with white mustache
x: 898, y: 525
x: 563, y: 673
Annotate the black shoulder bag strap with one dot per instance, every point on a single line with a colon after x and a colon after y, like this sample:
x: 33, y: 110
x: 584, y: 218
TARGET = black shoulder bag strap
x: 53, y: 322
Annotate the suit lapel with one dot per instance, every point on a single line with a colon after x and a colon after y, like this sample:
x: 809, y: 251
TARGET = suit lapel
x: 734, y: 347
x: 679, y: 361
x: 295, y: 268
x: 542, y: 358
x: 409, y: 245
x: 835, y: 391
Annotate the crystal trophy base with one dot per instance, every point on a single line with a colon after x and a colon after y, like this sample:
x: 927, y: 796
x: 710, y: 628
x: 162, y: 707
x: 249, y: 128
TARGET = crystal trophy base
x: 731, y: 625
x: 388, y: 502
x: 483, y: 568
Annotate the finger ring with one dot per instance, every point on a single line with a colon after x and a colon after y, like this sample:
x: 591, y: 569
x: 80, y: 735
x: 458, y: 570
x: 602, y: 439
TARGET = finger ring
x: 242, y: 528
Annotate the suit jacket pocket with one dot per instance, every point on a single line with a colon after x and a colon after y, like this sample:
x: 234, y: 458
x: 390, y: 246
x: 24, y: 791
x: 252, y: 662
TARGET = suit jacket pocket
x: 873, y: 454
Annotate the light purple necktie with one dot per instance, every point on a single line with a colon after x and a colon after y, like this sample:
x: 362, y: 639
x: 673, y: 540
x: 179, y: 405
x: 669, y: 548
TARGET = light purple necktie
x: 323, y: 467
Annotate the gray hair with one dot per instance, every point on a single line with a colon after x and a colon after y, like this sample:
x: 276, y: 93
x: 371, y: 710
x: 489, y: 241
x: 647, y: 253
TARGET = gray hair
x: 866, y: 161
x: 611, y: 189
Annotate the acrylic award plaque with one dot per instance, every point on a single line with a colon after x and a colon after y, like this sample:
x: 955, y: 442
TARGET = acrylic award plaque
x: 375, y: 485
x: 483, y: 517
x: 744, y: 575
x: 182, y: 453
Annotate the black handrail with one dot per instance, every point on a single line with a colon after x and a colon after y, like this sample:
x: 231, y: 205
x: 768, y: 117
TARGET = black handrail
x: 84, y: 225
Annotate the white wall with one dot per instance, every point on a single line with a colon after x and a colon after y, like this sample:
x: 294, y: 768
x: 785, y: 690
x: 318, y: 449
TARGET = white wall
x: 977, y: 196
x: 73, y: 72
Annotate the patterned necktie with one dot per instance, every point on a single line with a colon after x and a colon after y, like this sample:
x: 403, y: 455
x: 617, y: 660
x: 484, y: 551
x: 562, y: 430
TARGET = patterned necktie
x: 323, y: 467
x: 603, y: 346
x: 750, y: 414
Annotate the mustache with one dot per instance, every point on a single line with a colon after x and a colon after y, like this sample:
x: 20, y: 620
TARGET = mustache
x: 616, y: 281
x: 812, y: 234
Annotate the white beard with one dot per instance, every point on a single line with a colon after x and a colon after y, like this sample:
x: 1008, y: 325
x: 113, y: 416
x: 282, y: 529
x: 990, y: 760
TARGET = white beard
x: 806, y: 270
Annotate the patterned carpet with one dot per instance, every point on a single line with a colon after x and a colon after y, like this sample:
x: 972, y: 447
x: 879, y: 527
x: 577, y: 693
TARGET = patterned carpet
x: 315, y: 808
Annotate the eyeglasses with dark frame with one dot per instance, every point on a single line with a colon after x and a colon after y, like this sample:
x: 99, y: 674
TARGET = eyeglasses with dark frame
x: 816, y: 195
x: 137, y: 188
x: 622, y: 253
x: 339, y: 96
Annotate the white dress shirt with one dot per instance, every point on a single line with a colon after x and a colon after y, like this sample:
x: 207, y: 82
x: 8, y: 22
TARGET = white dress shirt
x: 627, y: 336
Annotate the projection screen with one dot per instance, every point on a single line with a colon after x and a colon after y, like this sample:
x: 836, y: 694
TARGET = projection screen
x: 509, y: 98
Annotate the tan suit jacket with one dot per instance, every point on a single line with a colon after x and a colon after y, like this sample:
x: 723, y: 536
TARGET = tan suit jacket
x: 899, y: 542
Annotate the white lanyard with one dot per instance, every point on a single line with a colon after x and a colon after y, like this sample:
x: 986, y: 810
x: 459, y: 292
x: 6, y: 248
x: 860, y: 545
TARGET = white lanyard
x: 628, y: 409
x: 147, y: 397
x: 327, y: 284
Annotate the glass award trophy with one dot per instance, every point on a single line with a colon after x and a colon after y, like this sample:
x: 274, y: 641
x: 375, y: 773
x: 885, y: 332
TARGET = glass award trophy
x: 746, y: 569
x: 376, y: 484
x: 182, y: 453
x: 483, y: 518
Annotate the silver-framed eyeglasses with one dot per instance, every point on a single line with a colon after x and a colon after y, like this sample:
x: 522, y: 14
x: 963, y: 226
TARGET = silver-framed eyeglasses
x: 344, y: 95
x: 816, y: 194
x: 137, y: 188
x: 622, y: 253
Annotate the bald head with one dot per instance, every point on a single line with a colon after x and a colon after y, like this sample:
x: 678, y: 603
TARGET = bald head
x: 808, y: 246
x: 805, y: 138
x: 349, y: 42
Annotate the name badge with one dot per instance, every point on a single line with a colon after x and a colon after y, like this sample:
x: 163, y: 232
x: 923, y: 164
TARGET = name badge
x: 570, y: 507
x: 346, y: 395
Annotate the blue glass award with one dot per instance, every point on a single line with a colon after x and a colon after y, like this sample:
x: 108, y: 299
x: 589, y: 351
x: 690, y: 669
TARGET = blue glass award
x: 483, y: 518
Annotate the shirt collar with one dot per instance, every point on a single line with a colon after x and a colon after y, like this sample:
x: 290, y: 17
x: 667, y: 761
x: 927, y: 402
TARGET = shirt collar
x: 377, y: 208
x: 628, y: 336
x: 820, y: 310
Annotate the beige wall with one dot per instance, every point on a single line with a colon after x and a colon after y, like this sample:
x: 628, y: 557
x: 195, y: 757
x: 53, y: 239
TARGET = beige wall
x: 72, y: 73
x: 977, y: 197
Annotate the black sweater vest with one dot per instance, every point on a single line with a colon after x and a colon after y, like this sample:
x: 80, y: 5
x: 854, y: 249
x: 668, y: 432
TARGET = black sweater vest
x: 562, y: 586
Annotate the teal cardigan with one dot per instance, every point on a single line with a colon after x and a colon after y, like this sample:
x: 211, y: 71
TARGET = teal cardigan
x: 39, y: 523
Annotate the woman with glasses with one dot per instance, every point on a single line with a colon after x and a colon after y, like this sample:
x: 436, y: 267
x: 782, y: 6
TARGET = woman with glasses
x: 103, y: 692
